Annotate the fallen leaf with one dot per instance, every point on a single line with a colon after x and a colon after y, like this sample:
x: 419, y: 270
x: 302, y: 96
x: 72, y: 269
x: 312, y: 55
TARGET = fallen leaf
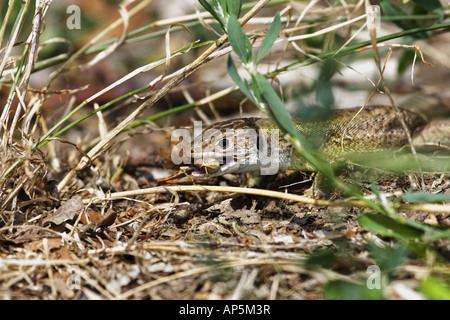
x: 68, y: 211
x: 52, y: 244
x: 108, y: 219
x: 90, y: 217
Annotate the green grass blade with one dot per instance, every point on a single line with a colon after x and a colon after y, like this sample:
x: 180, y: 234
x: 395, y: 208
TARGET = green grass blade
x: 434, y: 289
x: 212, y: 11
x: 387, y: 226
x: 234, y: 7
x: 239, y: 41
x: 234, y: 75
x: 271, y: 36
x: 425, y: 197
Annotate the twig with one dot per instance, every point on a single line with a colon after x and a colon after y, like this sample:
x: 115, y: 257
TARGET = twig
x: 444, y: 208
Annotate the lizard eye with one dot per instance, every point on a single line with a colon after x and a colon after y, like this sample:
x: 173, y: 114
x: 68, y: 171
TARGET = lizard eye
x: 224, y: 143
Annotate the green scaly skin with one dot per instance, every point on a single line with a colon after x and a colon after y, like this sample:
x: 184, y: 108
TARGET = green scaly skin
x: 353, y: 132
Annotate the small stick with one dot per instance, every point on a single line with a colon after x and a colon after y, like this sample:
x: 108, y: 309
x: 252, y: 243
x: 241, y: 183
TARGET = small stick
x: 443, y: 208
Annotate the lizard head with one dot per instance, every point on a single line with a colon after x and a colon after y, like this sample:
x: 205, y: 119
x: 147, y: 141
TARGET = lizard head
x: 226, y: 147
x: 232, y: 146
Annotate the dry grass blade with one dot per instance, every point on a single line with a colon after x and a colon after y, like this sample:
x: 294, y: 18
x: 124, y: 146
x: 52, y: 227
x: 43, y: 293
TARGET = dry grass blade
x: 199, y: 271
x: 267, y: 193
x: 188, y: 70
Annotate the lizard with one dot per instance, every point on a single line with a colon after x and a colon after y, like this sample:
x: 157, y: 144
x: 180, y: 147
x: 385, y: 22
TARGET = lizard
x: 228, y: 147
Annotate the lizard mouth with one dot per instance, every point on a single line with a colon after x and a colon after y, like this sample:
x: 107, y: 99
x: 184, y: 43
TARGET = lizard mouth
x: 222, y: 169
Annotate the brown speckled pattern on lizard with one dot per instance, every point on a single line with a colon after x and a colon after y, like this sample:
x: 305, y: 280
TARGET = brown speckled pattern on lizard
x: 346, y: 131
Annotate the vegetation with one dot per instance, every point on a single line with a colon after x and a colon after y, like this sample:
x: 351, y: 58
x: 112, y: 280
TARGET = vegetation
x: 76, y: 201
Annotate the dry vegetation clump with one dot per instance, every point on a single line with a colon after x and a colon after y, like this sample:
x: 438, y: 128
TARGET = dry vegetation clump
x: 85, y: 111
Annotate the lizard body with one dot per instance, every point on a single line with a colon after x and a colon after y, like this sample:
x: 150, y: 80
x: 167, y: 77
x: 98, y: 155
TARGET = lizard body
x: 228, y: 147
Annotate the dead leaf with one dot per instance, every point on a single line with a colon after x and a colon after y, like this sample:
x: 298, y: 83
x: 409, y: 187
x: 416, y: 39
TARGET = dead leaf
x: 90, y: 217
x: 52, y: 244
x: 95, y: 220
x: 108, y: 219
x: 68, y: 211
x: 62, y: 253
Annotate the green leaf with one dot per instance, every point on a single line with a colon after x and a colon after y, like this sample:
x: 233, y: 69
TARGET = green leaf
x: 212, y: 11
x: 221, y: 8
x: 434, y: 289
x: 425, y: 197
x: 430, y: 6
x: 234, y: 75
x: 344, y: 290
x: 324, y: 95
x: 388, y: 258
x: 206, y: 5
x: 283, y: 120
x: 390, y: 8
x: 431, y: 232
x: 239, y: 40
x: 279, y: 113
x: 271, y: 36
x: 234, y: 7
x: 387, y: 226
x: 405, y: 61
x: 324, y: 258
